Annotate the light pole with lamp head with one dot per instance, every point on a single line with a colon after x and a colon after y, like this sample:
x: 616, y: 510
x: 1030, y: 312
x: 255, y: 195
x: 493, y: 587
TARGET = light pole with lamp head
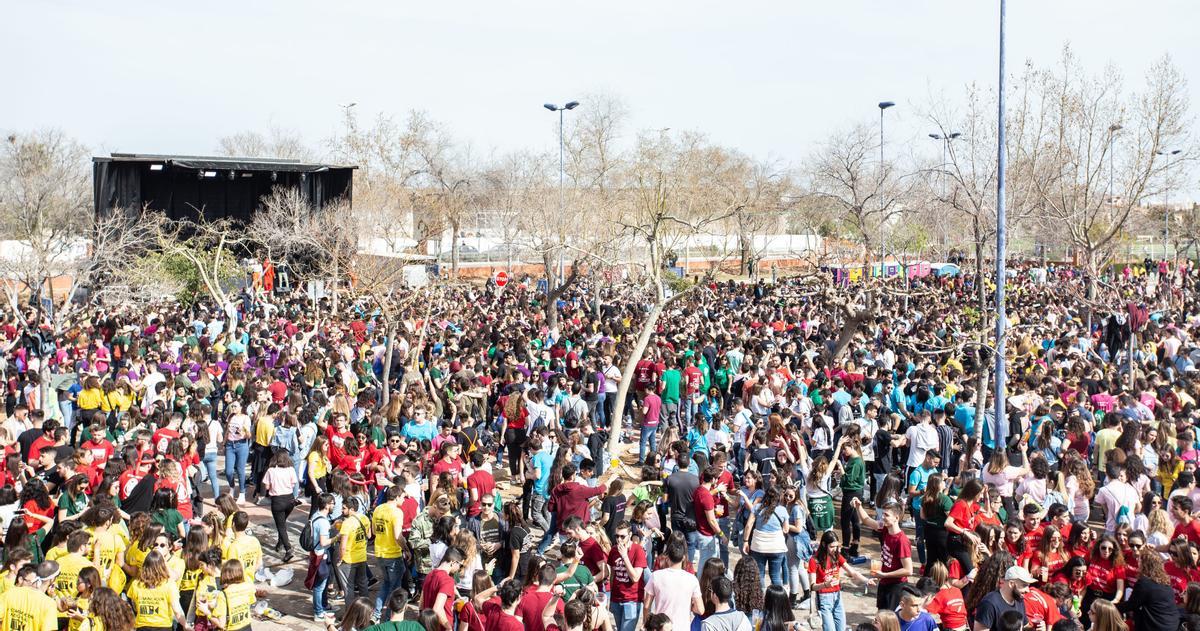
x: 570, y: 105
x: 883, y: 105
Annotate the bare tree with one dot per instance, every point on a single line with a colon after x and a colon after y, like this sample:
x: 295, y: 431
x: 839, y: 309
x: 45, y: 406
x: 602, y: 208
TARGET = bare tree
x: 276, y: 143
x: 322, y: 240
x: 1101, y: 147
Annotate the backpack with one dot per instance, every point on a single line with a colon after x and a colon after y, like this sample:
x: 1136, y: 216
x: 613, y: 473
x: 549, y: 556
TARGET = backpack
x: 308, y: 536
x: 570, y: 417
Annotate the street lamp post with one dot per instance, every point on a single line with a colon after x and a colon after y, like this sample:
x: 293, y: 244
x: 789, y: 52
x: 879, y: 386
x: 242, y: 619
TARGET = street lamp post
x: 561, y: 205
x: 945, y: 140
x: 1167, y: 199
x: 1001, y: 418
x: 883, y: 105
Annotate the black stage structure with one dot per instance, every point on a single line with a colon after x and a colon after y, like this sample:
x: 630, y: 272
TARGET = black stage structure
x: 208, y: 188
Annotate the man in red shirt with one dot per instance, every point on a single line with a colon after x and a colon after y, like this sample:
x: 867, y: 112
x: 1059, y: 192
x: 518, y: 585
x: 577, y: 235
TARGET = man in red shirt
x: 1186, y: 526
x: 480, y: 485
x: 534, y: 600
x: 593, y: 555
x: 570, y: 499
x: 438, y: 592
x: 1040, y: 607
x: 628, y: 564
x: 1031, y: 523
x: 895, y: 553
x: 101, y: 448
x: 709, y: 535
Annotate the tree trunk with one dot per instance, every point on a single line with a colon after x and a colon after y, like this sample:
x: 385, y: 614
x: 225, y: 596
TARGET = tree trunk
x: 551, y: 296
x: 390, y: 332
x: 454, y: 230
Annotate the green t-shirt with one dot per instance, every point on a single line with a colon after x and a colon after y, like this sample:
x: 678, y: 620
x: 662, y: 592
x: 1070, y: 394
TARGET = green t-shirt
x: 580, y: 578
x: 671, y: 379
x: 936, y: 515
x: 855, y: 475
x: 170, y: 520
x: 72, y: 506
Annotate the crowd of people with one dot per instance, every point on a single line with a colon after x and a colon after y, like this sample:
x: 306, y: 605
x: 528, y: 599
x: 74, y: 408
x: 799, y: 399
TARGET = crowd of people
x: 460, y: 471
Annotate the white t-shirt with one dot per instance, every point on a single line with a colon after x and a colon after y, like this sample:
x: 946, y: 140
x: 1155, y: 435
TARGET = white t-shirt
x: 673, y: 591
x: 921, y: 438
x: 612, y: 377
x: 1112, y: 497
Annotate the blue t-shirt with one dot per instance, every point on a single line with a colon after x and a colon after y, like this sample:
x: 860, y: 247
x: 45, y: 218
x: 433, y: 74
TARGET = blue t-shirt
x: 773, y: 521
x: 919, y: 478
x: 321, y: 528
x: 923, y: 622
x: 419, y: 431
x: 964, y: 415
x: 543, y: 461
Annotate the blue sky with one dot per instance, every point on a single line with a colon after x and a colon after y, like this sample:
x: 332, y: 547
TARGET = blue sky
x: 771, y: 78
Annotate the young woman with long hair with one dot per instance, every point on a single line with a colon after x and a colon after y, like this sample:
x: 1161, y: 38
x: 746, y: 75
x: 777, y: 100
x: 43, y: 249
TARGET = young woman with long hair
x: 1080, y: 540
x: 990, y: 573
x: 935, y: 507
x: 777, y: 610
x: 1050, y: 556
x: 960, y: 524
x: 231, y: 609
x: 747, y: 587
x: 765, y: 539
x: 1105, y: 616
x: 1152, y: 602
x: 281, y: 483
x: 947, y: 602
x: 108, y: 612
x: 713, y: 568
x: 155, y: 597
x: 1080, y: 487
x: 825, y: 573
x: 1106, y: 572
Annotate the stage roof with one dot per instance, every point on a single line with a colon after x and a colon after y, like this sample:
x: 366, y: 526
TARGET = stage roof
x: 222, y: 163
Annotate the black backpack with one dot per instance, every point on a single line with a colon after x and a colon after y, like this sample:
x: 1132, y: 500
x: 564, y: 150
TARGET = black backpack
x: 308, y: 536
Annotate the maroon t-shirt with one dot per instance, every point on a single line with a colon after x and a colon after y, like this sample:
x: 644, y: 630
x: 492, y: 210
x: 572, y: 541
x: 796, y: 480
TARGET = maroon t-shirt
x: 703, y: 500
x: 504, y: 622
x: 593, y: 555
x: 438, y: 582
x: 485, y: 484
x: 624, y: 589
x: 531, y: 606
x: 893, y: 549
x: 571, y: 499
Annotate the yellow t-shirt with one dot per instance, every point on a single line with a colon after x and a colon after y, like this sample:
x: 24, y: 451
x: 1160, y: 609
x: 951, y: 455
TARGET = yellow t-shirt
x: 245, y: 549
x: 176, y: 566
x: 56, y: 553
x: 6, y: 581
x: 109, y: 547
x: 355, y: 528
x: 27, y: 609
x: 90, y: 399
x: 76, y: 625
x: 233, y: 606
x: 152, y: 605
x: 67, y: 581
x: 190, y: 579
x: 387, y: 520
x: 318, y: 465
x: 264, y: 431
x: 135, y: 556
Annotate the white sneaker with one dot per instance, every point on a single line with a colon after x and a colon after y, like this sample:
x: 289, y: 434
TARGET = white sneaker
x: 241, y: 499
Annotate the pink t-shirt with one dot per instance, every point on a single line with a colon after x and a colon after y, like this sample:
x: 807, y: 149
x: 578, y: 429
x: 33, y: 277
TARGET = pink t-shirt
x: 280, y: 480
x: 673, y: 591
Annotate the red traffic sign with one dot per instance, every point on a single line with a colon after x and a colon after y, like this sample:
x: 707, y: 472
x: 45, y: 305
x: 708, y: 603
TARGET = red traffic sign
x: 501, y: 279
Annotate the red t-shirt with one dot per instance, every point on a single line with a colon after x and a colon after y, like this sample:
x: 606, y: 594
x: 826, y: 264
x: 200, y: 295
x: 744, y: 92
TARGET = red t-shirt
x: 593, y: 555
x: 454, y: 468
x: 351, y: 464
x: 476, y: 620
x: 503, y: 622
x: 695, y: 379
x: 949, y: 607
x: 162, y: 439
x: 571, y: 500
x: 101, y: 449
x: 1040, y: 606
x: 624, y: 589
x: 892, y: 551
x: 32, y: 508
x: 485, y: 484
x: 703, y: 500
x: 408, y: 508
x: 35, y: 449
x: 438, y: 582
x: 1103, y: 577
x: 831, y: 572
x: 531, y: 606
x: 1190, y: 530
x: 1053, y: 562
x: 965, y: 514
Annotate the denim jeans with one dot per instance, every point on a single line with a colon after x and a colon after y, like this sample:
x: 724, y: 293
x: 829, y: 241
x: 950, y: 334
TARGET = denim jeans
x: 600, y: 419
x: 833, y: 616
x: 774, y: 561
x: 709, y: 547
x: 919, y: 531
x: 649, y: 438
x: 538, y: 513
x: 693, y: 544
x: 391, y: 576
x: 725, y: 523
x: 626, y: 615
x: 320, y: 602
x: 548, y: 538
x: 210, y: 468
x: 236, y: 455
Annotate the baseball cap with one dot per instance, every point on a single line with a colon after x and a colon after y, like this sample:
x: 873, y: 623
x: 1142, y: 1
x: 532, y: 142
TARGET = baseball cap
x: 1018, y: 573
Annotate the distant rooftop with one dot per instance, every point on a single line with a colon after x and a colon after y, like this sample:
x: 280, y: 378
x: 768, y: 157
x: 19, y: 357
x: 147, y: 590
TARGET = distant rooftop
x: 236, y: 163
